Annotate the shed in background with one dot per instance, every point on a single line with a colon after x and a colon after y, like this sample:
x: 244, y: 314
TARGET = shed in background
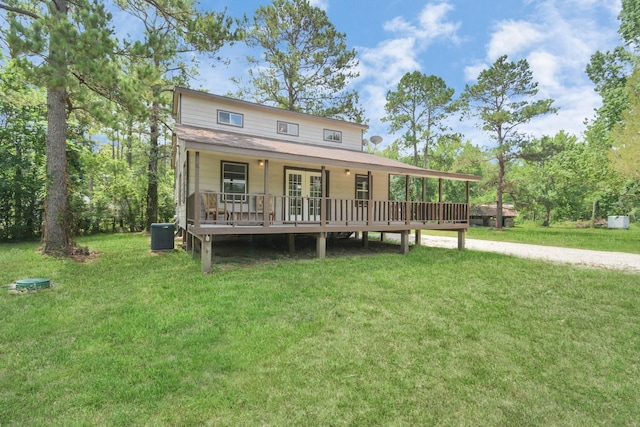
x: 485, y: 215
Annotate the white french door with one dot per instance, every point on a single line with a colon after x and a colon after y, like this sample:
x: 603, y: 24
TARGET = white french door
x: 304, y: 190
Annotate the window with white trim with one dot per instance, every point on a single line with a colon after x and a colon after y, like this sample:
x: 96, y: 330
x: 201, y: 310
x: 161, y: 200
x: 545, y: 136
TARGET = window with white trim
x: 229, y: 118
x: 332, y: 135
x: 234, y: 181
x: 286, y: 128
x: 362, y: 187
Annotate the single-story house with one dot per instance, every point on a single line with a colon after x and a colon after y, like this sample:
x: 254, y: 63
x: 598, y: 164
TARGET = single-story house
x: 486, y: 215
x: 244, y: 168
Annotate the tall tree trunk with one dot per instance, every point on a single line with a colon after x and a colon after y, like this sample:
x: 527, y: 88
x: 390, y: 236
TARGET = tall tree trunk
x: 547, y: 220
x: 152, y: 186
x: 18, y: 204
x: 425, y: 159
x: 129, y: 142
x: 416, y: 157
x: 56, y: 230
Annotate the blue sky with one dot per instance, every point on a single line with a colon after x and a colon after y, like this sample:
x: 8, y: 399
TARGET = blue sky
x: 455, y: 40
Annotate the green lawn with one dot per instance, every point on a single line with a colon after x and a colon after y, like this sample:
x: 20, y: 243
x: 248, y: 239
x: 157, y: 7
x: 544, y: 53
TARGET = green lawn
x: 435, y: 337
x: 565, y: 235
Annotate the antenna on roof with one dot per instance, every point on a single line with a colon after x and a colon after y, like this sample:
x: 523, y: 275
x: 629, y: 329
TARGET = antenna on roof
x: 375, y: 140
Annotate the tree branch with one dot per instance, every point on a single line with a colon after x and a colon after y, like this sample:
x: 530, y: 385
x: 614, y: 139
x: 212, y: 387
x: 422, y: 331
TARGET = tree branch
x: 19, y: 11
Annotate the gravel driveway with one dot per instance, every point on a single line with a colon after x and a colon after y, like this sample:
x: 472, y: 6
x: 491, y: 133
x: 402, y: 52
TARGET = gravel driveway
x: 583, y: 257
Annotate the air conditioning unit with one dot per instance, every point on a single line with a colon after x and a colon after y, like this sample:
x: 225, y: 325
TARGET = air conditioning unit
x: 162, y: 237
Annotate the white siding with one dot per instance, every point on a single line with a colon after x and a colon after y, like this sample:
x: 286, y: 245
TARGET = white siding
x: 202, y: 112
x: 179, y: 193
x: 341, y: 185
x: 344, y: 186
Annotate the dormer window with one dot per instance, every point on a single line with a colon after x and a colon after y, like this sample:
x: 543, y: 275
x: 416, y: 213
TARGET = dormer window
x: 332, y: 135
x: 286, y: 128
x: 229, y: 118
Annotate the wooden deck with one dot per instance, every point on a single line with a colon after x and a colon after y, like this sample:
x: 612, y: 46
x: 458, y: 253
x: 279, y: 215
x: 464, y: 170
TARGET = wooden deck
x: 317, y: 216
x: 322, y: 214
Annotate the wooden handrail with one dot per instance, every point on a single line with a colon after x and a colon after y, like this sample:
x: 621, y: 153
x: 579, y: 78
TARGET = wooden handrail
x: 250, y: 210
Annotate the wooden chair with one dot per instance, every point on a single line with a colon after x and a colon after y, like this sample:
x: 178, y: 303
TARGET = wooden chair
x: 260, y: 206
x: 210, y: 202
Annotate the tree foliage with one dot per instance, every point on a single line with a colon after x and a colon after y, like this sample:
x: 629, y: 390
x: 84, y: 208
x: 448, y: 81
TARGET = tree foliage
x: 630, y: 24
x: 609, y: 71
x: 66, y: 50
x: 611, y: 136
x: 419, y: 106
x: 503, y: 99
x: 22, y: 147
x: 70, y: 50
x: 547, y: 178
x: 625, y: 153
x: 156, y: 59
x: 303, y: 62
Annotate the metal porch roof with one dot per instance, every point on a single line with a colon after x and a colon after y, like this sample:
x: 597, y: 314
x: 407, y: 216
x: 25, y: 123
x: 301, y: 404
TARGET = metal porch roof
x: 236, y: 143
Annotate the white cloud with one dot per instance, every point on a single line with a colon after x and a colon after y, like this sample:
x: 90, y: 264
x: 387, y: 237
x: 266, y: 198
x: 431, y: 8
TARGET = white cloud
x: 471, y: 72
x: 557, y: 40
x: 389, y: 60
x: 381, y: 67
x: 322, y: 4
x: 613, y: 6
x: 546, y: 68
x: 576, y: 105
x: 431, y: 24
x: 513, y: 37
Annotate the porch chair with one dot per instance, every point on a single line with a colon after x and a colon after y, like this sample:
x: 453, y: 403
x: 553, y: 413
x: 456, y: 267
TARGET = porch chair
x: 210, y: 202
x: 260, y: 206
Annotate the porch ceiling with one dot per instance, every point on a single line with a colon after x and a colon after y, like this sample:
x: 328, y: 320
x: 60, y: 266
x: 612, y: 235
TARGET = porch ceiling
x: 235, y: 143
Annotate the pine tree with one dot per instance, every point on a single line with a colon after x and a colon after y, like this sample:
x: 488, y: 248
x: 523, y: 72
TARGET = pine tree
x: 503, y: 100
x: 304, y: 64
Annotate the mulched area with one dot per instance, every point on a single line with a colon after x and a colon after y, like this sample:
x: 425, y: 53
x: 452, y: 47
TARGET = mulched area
x: 75, y: 252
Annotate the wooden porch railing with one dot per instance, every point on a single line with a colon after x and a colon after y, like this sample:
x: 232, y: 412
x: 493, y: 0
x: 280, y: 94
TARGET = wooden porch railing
x: 255, y: 209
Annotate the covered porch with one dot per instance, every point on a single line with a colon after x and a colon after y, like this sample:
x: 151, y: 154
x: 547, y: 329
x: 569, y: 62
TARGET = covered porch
x: 272, y: 208
x: 211, y: 214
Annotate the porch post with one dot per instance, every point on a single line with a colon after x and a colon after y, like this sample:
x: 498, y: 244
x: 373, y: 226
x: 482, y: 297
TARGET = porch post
x: 370, y: 197
x: 365, y: 239
x: 407, y: 202
x: 291, y: 241
x: 468, y: 207
x: 404, y: 241
x: 323, y: 204
x: 266, y: 205
x: 321, y: 245
x: 461, y: 235
x: 439, y: 200
x: 196, y: 195
x: 206, y: 253
x: 418, y: 241
x: 422, y: 209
